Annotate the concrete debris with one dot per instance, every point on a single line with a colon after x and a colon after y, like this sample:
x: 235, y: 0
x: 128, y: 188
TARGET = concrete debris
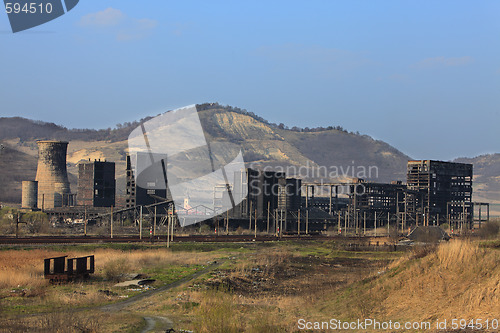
x: 131, y: 283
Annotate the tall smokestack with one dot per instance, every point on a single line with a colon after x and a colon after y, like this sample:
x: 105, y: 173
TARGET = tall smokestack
x: 51, y: 174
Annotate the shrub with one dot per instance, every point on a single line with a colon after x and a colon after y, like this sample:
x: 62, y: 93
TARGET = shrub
x: 114, y: 269
x: 489, y: 230
x: 36, y: 222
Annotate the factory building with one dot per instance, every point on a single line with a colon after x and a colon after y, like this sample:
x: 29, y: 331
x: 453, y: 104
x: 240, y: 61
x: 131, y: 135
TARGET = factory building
x: 96, y: 184
x: 52, y: 176
x: 148, y: 188
x: 384, y: 198
x: 262, y: 189
x: 445, y: 190
x: 130, y: 187
x: 289, y: 194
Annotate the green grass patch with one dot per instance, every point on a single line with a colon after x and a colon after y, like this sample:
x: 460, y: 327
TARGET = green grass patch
x: 170, y: 274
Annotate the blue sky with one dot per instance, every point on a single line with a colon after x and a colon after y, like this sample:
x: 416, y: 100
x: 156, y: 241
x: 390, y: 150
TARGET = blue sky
x: 423, y: 76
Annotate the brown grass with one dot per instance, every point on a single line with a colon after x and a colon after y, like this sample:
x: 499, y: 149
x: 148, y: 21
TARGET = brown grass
x: 23, y: 288
x: 457, y: 280
x: 57, y: 322
x: 453, y: 280
x: 23, y: 268
x: 287, y: 285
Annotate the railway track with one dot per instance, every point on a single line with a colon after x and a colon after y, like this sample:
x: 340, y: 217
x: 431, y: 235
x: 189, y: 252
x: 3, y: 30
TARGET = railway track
x: 6, y: 240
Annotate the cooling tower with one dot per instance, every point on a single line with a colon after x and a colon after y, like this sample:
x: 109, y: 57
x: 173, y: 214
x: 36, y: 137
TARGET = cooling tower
x: 30, y: 194
x: 51, y: 174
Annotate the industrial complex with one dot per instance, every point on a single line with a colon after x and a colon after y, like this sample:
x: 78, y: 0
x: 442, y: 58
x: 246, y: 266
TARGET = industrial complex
x: 435, y: 193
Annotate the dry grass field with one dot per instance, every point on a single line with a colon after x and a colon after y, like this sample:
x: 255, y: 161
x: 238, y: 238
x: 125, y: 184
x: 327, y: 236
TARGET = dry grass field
x: 258, y: 287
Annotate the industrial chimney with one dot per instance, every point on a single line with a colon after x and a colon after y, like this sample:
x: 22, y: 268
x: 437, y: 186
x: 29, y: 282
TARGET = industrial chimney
x: 51, y: 174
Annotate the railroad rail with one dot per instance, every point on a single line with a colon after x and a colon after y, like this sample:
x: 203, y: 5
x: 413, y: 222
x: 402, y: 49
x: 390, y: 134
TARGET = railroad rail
x: 191, y: 238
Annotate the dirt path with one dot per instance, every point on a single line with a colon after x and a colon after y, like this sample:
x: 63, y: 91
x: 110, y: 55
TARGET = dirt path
x: 153, y: 323
x: 156, y: 323
x: 123, y: 304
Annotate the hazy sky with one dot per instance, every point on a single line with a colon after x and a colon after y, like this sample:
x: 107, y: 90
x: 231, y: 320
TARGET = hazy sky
x: 423, y: 76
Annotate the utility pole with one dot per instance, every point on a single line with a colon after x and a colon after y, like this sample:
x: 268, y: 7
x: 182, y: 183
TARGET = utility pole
x: 331, y: 194
x: 364, y: 223
x: 307, y: 222
x: 464, y: 217
x: 276, y: 226
x: 250, y: 219
x: 168, y: 231
x: 111, y: 222
x: 18, y: 221
x: 154, y: 224
x: 346, y: 220
x: 172, y: 224
x: 268, y: 212
x: 17, y: 225
x: 281, y: 222
x: 339, y: 226
x: 388, y: 223
x: 307, y: 209
x: 255, y: 235
x: 140, y: 224
x: 85, y: 221
x: 298, y: 222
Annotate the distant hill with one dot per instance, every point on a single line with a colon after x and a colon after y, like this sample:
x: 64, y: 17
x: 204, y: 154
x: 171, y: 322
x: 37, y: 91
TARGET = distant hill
x: 29, y: 130
x: 330, y: 148
x: 15, y: 167
x: 486, y: 177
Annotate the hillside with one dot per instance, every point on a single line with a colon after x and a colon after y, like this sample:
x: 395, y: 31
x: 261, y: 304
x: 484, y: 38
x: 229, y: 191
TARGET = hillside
x: 15, y: 166
x: 330, y: 152
x: 486, y: 177
x: 458, y: 279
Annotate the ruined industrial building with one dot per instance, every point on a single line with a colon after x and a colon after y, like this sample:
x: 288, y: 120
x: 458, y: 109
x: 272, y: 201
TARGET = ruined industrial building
x: 434, y: 193
x: 96, y: 184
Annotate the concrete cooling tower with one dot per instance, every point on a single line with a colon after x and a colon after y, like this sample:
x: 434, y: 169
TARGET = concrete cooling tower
x: 51, y: 174
x: 30, y: 194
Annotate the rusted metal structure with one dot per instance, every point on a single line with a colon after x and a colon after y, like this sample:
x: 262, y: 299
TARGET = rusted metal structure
x: 146, y: 188
x: 96, y: 184
x: 130, y: 187
x: 482, y: 216
x: 52, y: 176
x: 262, y: 188
x: 373, y: 202
x: 377, y: 196
x: 445, y: 191
x: 289, y: 194
x: 29, y: 194
x: 61, y: 269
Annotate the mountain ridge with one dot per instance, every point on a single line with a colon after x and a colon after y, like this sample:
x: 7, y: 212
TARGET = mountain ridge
x: 263, y: 144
